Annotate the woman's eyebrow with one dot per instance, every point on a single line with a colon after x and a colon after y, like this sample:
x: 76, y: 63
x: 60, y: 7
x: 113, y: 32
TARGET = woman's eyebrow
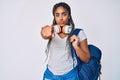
x: 61, y: 13
x: 64, y: 12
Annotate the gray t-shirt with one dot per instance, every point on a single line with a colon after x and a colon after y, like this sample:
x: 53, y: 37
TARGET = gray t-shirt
x: 60, y: 59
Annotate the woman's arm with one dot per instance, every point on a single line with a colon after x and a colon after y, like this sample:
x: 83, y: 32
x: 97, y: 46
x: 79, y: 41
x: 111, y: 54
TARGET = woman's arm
x: 81, y: 48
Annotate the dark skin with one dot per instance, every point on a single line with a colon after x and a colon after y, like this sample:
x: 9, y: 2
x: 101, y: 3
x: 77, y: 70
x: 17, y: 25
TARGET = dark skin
x: 62, y: 17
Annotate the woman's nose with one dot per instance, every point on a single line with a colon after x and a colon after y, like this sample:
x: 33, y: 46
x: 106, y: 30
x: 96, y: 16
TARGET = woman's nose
x: 61, y: 17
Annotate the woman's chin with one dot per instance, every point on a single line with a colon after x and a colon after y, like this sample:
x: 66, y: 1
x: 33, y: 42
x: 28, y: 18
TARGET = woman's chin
x: 62, y: 25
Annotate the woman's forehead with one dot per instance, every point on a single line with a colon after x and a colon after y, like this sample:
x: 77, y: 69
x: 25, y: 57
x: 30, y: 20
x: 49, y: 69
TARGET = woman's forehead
x: 60, y: 9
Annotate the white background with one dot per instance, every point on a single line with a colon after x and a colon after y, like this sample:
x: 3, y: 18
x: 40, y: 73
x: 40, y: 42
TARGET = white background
x: 22, y: 48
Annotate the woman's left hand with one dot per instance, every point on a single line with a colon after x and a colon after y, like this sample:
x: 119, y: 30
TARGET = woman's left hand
x: 74, y: 40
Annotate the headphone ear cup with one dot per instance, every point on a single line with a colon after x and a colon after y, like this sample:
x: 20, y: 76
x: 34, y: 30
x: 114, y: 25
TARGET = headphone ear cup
x: 57, y: 29
x: 67, y: 29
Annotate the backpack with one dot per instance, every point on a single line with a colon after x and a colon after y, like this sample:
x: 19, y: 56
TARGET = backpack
x: 92, y: 69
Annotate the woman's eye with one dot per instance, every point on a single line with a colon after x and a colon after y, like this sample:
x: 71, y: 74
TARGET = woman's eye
x: 64, y: 14
x: 57, y: 15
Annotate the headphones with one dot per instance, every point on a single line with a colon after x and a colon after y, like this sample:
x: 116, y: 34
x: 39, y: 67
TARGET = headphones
x: 66, y: 29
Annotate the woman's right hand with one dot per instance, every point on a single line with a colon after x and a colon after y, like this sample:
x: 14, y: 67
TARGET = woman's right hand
x: 47, y: 32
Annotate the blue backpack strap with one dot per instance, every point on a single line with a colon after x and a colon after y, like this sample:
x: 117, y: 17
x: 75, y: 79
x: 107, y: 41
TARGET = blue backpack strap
x: 76, y: 31
x: 73, y: 52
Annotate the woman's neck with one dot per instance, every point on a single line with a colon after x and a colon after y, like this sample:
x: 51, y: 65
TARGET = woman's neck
x: 62, y: 35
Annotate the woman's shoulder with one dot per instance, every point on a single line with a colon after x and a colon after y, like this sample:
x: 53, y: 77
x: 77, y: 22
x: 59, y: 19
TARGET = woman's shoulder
x: 81, y: 34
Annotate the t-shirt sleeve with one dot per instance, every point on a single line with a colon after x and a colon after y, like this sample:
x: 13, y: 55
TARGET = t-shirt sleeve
x: 82, y: 35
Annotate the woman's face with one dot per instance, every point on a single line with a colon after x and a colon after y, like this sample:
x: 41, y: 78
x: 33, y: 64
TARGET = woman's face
x: 61, y: 16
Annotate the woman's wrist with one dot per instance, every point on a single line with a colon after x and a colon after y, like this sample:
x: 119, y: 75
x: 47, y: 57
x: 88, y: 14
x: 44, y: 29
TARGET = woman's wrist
x: 76, y: 47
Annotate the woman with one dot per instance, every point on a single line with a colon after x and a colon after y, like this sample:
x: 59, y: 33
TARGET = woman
x: 60, y: 62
